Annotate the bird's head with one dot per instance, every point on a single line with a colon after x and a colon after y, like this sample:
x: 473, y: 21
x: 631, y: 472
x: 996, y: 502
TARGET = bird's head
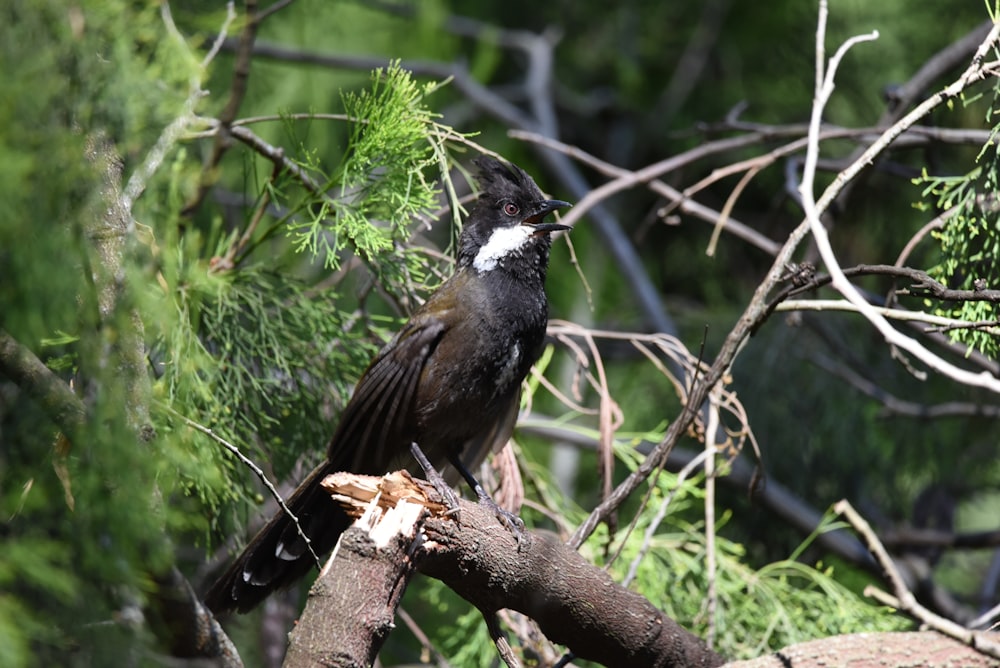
x: 506, y: 225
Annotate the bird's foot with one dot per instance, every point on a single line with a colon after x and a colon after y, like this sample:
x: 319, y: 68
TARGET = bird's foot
x: 434, y: 477
x: 512, y: 522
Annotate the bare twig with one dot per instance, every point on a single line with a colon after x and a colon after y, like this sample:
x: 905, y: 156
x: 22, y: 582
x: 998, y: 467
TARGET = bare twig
x: 899, y: 406
x: 812, y: 209
x: 425, y: 642
x: 229, y: 261
x: 250, y: 464
x: 903, y: 598
x: 681, y: 200
x: 890, y: 313
x: 175, y: 130
x: 757, y: 310
x: 661, y: 513
x: 237, y: 91
x: 947, y: 59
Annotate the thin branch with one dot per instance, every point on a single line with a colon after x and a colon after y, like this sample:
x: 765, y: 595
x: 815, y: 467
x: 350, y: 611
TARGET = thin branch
x: 237, y: 91
x: 902, y: 539
x: 276, y: 7
x: 898, y: 406
x: 686, y: 204
x: 890, y: 313
x: 948, y: 58
x: 661, y: 513
x: 903, y: 598
x: 821, y: 236
x: 249, y: 463
x: 425, y: 642
x: 936, y: 224
x: 756, y: 311
x: 986, y: 618
x: 229, y: 261
x: 711, y: 563
x: 176, y: 129
x: 277, y: 156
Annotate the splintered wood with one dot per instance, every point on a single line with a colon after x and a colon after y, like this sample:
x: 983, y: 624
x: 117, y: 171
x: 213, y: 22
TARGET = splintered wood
x: 385, y: 506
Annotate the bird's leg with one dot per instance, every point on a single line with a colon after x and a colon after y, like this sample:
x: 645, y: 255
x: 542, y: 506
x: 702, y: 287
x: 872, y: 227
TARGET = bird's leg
x: 507, y: 518
x: 434, y: 477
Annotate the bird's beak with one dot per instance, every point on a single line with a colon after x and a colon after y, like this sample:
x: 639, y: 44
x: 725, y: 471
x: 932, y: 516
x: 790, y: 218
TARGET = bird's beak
x: 542, y: 209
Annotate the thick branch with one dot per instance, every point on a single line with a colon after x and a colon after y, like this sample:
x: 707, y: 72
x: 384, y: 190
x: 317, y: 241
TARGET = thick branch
x: 574, y: 603
x: 886, y: 650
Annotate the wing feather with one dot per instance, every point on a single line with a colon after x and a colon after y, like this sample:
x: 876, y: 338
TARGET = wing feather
x: 377, y: 418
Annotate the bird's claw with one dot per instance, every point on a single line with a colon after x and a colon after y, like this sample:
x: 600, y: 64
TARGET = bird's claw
x: 509, y: 520
x: 434, y: 477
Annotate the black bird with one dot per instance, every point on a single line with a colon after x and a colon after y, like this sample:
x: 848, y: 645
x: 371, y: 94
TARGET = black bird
x: 450, y: 381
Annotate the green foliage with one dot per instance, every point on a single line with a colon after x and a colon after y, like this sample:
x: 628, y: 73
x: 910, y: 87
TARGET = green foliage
x: 81, y: 525
x: 970, y: 240
x: 256, y: 346
x: 259, y: 349
x: 261, y: 357
x: 760, y: 610
x: 380, y: 184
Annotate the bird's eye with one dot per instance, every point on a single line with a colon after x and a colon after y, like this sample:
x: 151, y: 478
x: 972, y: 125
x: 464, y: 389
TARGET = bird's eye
x: 511, y: 209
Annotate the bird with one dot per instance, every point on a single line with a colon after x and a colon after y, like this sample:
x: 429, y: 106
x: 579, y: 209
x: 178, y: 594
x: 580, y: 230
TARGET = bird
x: 449, y: 381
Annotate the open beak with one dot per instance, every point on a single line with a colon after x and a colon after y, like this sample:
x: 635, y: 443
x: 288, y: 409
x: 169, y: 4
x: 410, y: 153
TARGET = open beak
x: 542, y: 209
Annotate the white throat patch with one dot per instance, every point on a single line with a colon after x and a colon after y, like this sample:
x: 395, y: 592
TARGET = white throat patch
x: 503, y: 241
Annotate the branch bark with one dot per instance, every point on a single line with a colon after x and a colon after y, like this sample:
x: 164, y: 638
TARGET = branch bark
x: 574, y: 603
x: 884, y: 650
x: 366, y: 575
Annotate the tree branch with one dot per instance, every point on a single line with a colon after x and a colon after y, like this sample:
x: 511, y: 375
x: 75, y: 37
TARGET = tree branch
x: 824, y: 89
x: 21, y: 365
x: 574, y: 603
x: 885, y: 650
x: 904, y: 599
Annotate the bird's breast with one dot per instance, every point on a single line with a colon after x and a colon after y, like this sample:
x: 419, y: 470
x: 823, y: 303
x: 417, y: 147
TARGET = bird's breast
x: 478, y: 366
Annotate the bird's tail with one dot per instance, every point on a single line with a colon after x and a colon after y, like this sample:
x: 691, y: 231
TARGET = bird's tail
x: 278, y: 556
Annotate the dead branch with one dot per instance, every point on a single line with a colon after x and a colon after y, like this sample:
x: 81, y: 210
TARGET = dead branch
x: 904, y: 599
x: 825, y: 74
x: 351, y: 607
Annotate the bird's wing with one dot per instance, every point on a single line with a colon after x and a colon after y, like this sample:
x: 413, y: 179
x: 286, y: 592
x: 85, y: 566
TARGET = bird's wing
x: 379, y: 416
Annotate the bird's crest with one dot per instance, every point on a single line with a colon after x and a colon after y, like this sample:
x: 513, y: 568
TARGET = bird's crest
x: 499, y: 177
